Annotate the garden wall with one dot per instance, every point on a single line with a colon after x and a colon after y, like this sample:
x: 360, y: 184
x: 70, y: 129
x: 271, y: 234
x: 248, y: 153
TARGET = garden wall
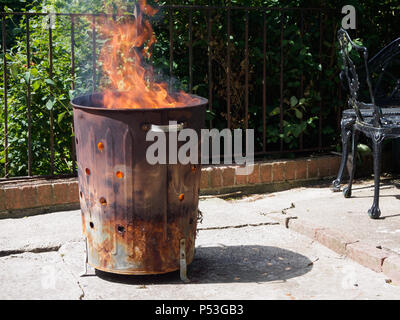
x: 20, y: 198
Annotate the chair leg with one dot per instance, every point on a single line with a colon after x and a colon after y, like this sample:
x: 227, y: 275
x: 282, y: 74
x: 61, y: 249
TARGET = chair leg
x: 346, y: 131
x: 347, y: 190
x: 375, y: 212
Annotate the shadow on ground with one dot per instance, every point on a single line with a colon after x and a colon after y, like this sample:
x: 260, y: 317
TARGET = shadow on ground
x: 228, y: 264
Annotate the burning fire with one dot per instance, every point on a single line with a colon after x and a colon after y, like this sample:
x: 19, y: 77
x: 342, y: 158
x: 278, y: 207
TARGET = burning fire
x: 123, y: 60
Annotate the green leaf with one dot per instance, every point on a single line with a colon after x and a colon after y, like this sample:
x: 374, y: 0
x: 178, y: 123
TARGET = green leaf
x: 50, y: 103
x: 27, y: 77
x: 293, y: 101
x: 275, y: 111
x: 14, y: 71
x: 210, y: 115
x: 60, y: 117
x: 36, y: 85
x: 298, y: 113
x: 49, y: 81
x: 362, y: 148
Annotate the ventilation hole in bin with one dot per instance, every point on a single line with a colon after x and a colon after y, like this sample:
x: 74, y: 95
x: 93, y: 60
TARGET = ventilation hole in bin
x: 100, y: 146
x: 81, y: 194
x: 119, y: 174
x: 91, y: 224
x: 76, y: 140
x: 120, y: 229
x: 103, y: 201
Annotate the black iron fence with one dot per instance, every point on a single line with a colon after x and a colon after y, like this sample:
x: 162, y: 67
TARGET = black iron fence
x: 271, y: 69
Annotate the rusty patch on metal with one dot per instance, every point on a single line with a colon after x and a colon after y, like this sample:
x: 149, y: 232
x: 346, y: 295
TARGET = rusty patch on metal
x: 134, y: 214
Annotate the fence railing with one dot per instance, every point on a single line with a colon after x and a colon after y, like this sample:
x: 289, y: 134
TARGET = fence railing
x: 244, y: 69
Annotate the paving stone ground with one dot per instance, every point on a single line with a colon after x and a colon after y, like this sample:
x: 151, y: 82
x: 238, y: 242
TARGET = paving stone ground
x: 242, y: 252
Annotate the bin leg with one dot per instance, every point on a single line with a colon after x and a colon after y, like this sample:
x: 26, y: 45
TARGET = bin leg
x: 85, y: 264
x: 182, y: 259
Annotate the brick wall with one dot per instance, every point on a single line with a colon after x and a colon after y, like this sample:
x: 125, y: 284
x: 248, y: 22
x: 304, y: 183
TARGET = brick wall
x: 215, y: 177
x: 23, y: 198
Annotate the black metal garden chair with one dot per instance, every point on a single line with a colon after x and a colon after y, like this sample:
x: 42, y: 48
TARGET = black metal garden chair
x: 369, y: 118
x: 386, y: 94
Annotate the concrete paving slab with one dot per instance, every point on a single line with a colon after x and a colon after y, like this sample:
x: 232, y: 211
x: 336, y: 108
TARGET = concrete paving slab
x: 39, y: 233
x: 328, y: 209
x: 263, y: 262
x: 37, y: 276
x: 223, y: 213
x: 240, y: 254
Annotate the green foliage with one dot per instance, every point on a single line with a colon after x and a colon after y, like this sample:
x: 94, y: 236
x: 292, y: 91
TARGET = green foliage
x: 311, y: 95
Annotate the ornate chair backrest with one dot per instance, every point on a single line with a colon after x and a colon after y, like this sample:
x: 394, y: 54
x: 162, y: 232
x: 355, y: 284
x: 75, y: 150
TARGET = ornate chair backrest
x: 346, y: 45
x: 387, y: 85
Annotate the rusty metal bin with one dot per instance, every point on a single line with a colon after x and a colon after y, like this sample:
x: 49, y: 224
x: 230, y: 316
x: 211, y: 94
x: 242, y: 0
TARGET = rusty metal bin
x: 137, y: 218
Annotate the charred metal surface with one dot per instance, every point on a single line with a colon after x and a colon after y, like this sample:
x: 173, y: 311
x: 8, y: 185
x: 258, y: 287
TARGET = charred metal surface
x: 134, y: 214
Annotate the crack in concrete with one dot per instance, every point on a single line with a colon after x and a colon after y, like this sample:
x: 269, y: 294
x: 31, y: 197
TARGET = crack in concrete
x: 73, y: 276
x: 4, y: 253
x: 240, y: 226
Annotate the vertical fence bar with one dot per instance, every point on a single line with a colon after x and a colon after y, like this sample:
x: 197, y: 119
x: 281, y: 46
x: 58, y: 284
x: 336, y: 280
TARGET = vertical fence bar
x: 73, y: 147
x: 3, y: 42
x: 28, y: 97
x: 190, y: 50
x: 73, y: 51
x: 210, y: 83
x: 264, y: 83
x: 94, y: 61
x: 319, y: 84
x: 302, y: 72
x: 281, y: 84
x: 228, y: 69
x: 171, y: 47
x: 246, y: 49
x: 51, y: 93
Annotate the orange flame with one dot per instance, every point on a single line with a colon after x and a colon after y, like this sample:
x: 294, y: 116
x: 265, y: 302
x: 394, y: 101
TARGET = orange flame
x: 123, y: 61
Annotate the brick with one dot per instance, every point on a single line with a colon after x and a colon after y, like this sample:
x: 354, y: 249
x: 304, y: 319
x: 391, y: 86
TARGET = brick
x: 303, y: 227
x: 2, y: 200
x: 228, y: 176
x: 254, y: 177
x: 334, y: 165
x: 45, y: 195
x: 391, y: 268
x: 290, y: 170
x: 312, y: 168
x: 265, y: 172
x: 12, y: 198
x: 366, y: 255
x: 73, y: 193
x: 278, y: 171
x: 204, y: 178
x: 60, y: 193
x: 28, y: 197
x: 301, y: 169
x: 215, y: 177
x: 323, y: 165
x: 328, y: 166
x: 241, y: 179
x: 334, y: 240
